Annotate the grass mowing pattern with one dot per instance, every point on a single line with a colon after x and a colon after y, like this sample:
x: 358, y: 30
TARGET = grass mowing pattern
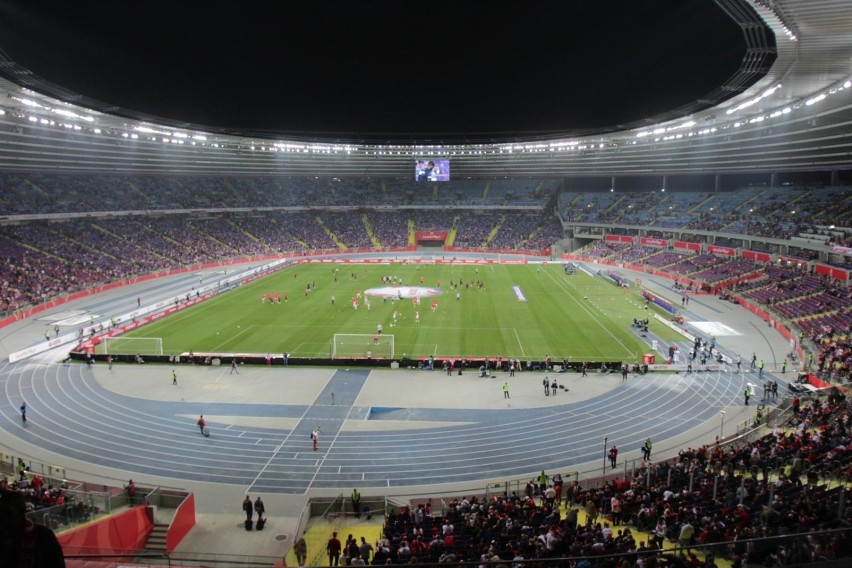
x: 579, y: 317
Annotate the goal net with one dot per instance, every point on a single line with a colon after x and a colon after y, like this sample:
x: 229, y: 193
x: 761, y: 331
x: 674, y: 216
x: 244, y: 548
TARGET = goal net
x: 132, y: 345
x: 362, y: 345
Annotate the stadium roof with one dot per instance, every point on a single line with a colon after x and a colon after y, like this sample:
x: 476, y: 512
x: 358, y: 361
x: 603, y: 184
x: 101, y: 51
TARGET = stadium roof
x: 788, y: 107
x: 379, y: 71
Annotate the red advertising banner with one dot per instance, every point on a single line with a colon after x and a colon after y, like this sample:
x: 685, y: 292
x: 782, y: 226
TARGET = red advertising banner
x: 727, y: 251
x: 431, y: 236
x: 654, y: 242
x: 619, y: 239
x: 832, y: 272
x: 758, y: 256
x: 696, y: 247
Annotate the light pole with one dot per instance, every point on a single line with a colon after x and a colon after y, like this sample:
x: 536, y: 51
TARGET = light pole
x: 603, y: 471
x: 722, y: 426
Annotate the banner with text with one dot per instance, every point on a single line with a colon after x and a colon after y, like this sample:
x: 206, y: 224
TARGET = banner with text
x: 727, y: 251
x: 619, y: 239
x: 431, y: 236
x: 686, y: 245
x: 654, y: 242
x: 758, y: 256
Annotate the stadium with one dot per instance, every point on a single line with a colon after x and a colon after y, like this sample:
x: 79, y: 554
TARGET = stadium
x: 433, y: 318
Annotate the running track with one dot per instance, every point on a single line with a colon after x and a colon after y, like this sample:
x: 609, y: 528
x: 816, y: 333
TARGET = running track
x: 79, y: 419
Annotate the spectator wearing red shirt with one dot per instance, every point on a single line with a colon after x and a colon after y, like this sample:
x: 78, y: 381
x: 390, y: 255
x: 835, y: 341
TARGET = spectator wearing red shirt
x: 332, y: 547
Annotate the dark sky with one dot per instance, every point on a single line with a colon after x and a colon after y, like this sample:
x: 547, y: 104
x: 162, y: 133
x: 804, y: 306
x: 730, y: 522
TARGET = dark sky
x: 368, y: 67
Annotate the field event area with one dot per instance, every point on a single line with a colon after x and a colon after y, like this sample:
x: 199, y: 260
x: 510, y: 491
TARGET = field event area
x: 415, y: 310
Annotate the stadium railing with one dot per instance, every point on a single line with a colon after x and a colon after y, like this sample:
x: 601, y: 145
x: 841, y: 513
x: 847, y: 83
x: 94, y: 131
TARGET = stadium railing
x: 830, y: 548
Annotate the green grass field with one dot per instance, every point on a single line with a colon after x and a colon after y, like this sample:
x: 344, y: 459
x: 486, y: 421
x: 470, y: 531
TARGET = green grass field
x: 573, y: 316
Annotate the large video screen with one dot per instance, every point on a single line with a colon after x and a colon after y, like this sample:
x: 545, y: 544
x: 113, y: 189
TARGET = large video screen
x: 430, y: 169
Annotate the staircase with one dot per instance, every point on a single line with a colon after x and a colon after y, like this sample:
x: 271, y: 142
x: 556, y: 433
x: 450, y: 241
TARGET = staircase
x: 745, y: 206
x: 340, y: 244
x: 495, y: 230
x: 249, y: 235
x: 377, y: 244
x: 156, y: 542
x: 454, y: 230
x: 412, y: 237
x: 695, y: 208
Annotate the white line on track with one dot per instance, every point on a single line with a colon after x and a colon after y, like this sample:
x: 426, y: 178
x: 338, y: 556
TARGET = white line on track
x: 287, y: 437
x: 321, y: 460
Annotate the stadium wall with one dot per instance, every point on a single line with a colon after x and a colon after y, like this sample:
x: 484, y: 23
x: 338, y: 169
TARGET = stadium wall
x: 124, y: 532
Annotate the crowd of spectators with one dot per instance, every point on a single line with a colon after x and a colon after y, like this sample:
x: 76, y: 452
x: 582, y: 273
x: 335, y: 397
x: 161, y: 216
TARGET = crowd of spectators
x: 815, y: 308
x: 831, y: 335
x: 45, y: 259
x: 54, y: 505
x: 41, y: 193
x: 720, y: 496
x: 727, y: 270
x: 696, y: 263
x: 605, y: 250
x: 390, y: 229
x: 772, y: 502
x: 476, y: 234
x: 347, y: 228
x: 771, y: 212
x: 508, y: 232
x: 790, y: 286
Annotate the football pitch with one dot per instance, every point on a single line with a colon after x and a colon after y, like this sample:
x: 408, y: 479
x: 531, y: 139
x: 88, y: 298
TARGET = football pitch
x: 526, y: 312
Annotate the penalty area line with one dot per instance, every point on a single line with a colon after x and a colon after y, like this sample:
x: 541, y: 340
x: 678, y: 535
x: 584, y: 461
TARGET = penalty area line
x: 518, y: 337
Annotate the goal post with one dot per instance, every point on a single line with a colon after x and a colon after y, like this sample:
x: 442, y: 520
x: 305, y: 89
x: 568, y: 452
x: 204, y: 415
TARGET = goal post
x: 356, y: 345
x: 119, y: 345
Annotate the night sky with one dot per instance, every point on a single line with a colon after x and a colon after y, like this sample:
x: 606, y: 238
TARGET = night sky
x: 381, y: 67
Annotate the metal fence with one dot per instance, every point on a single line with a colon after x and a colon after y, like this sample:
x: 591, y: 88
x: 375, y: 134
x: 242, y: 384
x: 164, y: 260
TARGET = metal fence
x: 830, y: 548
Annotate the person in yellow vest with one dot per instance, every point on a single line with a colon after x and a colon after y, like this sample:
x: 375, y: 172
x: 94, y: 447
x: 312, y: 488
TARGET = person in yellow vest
x: 646, y: 449
x: 543, y: 480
